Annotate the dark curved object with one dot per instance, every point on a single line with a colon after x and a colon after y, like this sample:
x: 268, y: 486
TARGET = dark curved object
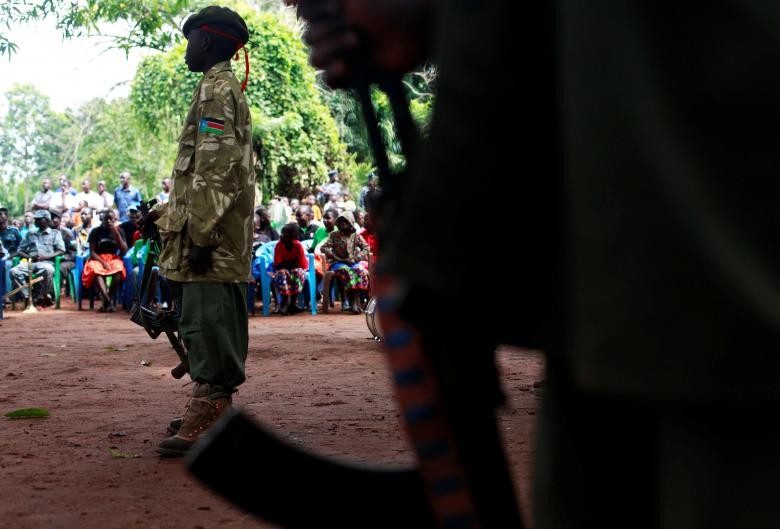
x: 296, y: 489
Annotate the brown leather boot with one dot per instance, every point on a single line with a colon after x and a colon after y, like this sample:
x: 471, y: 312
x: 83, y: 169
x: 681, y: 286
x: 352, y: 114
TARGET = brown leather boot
x: 174, y: 425
x: 204, y: 408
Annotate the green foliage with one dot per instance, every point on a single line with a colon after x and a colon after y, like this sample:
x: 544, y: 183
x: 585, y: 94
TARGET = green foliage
x: 161, y: 92
x: 17, y: 11
x: 151, y: 23
x: 30, y: 134
x: 118, y: 454
x: 154, y: 23
x: 14, y: 195
x: 96, y: 141
x: 300, y: 129
x: 28, y: 413
x: 295, y: 137
x: 346, y: 110
x: 32, y: 141
x: 115, y: 141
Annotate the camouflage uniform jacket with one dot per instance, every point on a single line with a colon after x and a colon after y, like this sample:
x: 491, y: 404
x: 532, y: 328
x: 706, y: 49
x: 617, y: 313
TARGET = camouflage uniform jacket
x: 213, y: 185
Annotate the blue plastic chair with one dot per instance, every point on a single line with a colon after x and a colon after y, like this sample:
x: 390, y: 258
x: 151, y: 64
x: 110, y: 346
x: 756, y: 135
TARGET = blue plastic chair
x: 263, y: 266
x: 75, y: 275
x: 79, y: 287
x: 130, y: 285
x: 2, y: 286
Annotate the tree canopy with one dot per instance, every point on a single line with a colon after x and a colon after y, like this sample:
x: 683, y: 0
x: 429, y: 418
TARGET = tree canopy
x: 152, y: 23
x: 300, y: 127
x: 96, y: 141
x: 295, y: 136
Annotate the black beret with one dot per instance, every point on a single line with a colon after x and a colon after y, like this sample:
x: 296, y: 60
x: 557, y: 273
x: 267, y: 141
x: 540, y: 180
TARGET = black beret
x: 222, y: 18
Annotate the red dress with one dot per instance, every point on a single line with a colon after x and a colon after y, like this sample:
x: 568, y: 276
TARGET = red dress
x: 290, y: 281
x: 296, y: 254
x: 373, y: 245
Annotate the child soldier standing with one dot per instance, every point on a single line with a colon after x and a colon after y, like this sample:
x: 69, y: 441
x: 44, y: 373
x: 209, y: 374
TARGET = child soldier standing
x: 206, y: 226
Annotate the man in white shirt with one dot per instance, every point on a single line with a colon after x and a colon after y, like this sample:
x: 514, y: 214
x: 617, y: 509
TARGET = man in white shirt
x: 93, y: 200
x: 163, y: 196
x: 107, y: 199
x: 42, y: 198
x: 63, y: 200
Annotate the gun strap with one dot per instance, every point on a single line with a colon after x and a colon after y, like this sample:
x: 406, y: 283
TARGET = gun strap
x: 402, y: 118
x: 460, y: 457
x: 374, y: 135
x: 404, y: 125
x: 423, y: 416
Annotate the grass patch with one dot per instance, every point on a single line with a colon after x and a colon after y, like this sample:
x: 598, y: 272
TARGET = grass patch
x: 28, y: 413
x: 116, y: 454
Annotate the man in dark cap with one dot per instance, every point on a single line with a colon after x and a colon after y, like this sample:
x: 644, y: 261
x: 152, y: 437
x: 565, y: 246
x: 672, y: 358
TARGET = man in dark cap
x: 332, y: 189
x: 370, y: 187
x: 41, y: 247
x: 68, y: 261
x: 130, y: 226
x: 208, y: 234
x: 9, y: 234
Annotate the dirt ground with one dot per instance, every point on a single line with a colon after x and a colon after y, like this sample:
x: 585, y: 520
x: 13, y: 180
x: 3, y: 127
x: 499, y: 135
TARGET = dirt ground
x: 318, y: 381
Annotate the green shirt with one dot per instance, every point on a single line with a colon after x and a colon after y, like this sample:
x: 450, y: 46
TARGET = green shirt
x: 320, y: 235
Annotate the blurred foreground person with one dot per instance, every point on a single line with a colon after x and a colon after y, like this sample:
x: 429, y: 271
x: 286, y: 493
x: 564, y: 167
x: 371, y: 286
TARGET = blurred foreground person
x: 642, y: 137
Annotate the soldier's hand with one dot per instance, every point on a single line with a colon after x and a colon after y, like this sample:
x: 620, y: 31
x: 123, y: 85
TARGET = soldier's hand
x: 152, y: 216
x: 394, y: 34
x: 200, y: 259
x: 148, y: 219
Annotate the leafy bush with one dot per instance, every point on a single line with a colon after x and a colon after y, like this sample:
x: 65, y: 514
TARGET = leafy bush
x: 294, y: 136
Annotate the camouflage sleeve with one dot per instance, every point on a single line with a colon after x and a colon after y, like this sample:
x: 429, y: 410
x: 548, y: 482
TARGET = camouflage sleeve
x: 160, y: 208
x: 216, y: 163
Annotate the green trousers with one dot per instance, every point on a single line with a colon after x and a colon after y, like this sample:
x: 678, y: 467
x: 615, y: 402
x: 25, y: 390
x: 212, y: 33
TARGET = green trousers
x: 214, y: 328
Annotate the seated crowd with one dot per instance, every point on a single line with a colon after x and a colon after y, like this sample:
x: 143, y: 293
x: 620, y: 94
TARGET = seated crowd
x: 98, y: 230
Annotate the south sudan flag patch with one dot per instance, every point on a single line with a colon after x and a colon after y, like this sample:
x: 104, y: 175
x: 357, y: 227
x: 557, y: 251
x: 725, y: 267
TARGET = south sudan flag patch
x: 212, y: 126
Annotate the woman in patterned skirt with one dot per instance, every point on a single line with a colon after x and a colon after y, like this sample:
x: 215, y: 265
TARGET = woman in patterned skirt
x: 290, y: 266
x: 347, y: 252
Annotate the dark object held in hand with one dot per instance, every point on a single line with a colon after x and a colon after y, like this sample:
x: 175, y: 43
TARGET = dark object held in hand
x: 200, y: 259
x: 148, y: 227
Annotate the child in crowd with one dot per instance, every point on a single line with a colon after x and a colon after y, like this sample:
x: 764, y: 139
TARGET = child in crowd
x: 345, y: 202
x: 311, y: 200
x: 369, y: 233
x: 290, y: 266
x: 263, y: 230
